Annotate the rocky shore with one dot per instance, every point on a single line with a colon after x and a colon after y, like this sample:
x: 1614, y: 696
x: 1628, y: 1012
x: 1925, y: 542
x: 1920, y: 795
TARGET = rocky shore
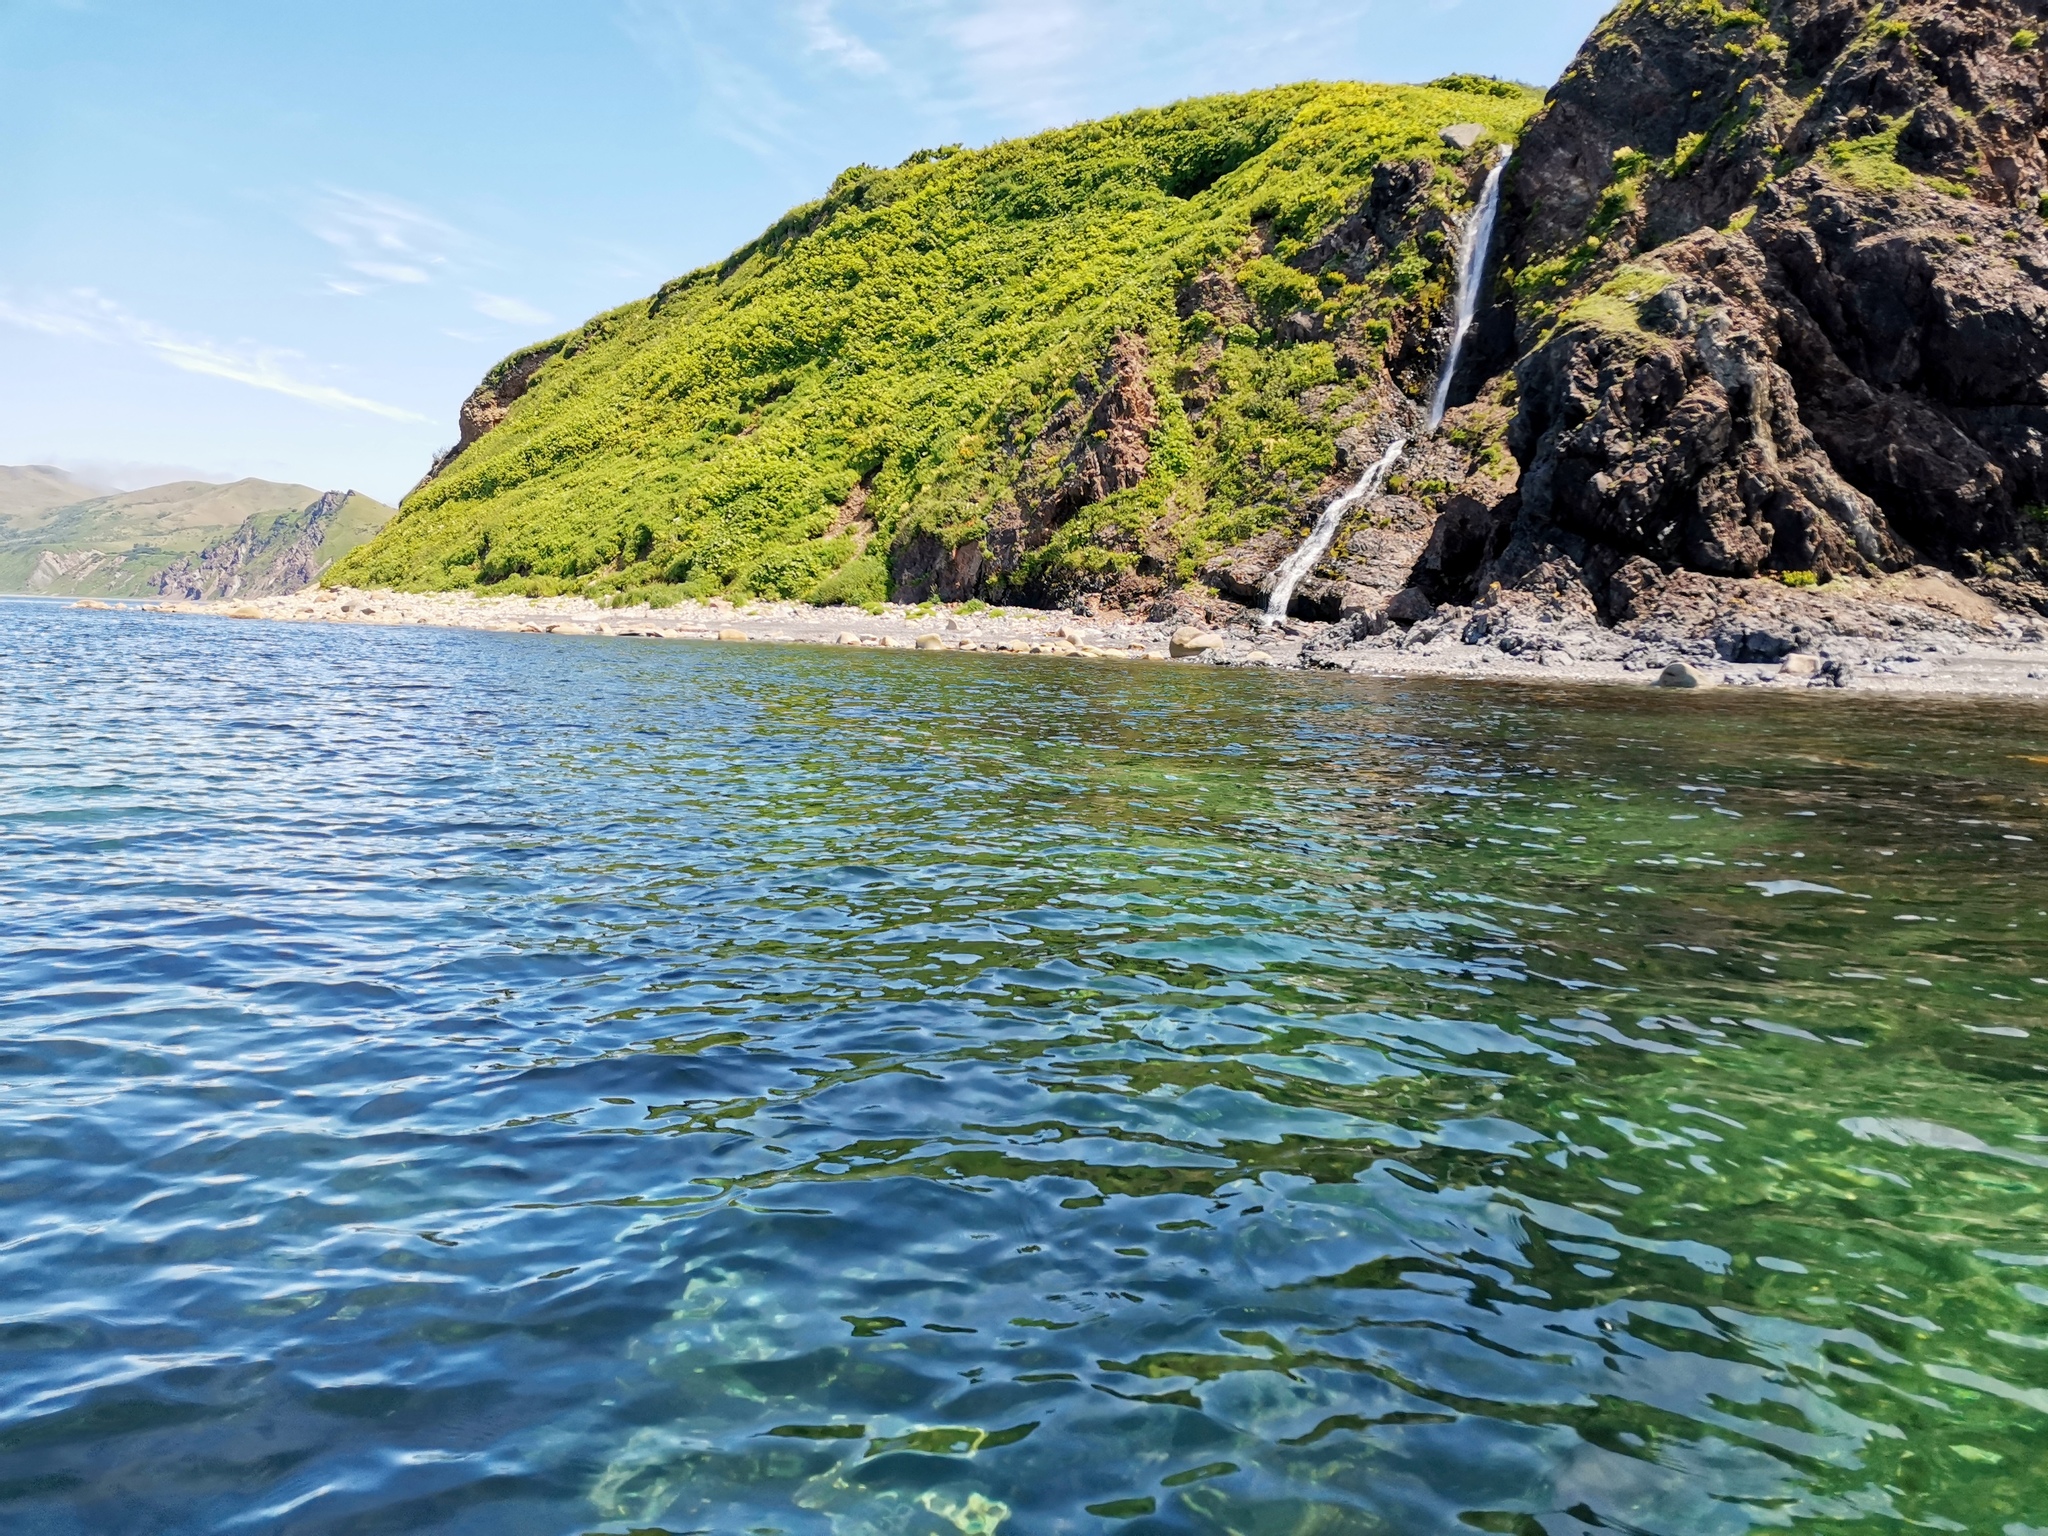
x: 1917, y: 633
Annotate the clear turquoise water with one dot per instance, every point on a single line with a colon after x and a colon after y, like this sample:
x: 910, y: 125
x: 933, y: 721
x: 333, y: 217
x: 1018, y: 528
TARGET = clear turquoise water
x: 475, y: 1083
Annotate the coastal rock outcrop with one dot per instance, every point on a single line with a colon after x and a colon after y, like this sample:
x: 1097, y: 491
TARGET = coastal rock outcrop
x: 1766, y: 300
x: 1778, y: 282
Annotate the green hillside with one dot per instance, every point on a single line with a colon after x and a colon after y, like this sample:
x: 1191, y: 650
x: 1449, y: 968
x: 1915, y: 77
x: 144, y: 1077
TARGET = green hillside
x: 124, y: 545
x: 1033, y: 369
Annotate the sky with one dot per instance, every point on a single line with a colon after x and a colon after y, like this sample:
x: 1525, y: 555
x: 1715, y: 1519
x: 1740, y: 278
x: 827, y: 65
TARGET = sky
x: 286, y: 239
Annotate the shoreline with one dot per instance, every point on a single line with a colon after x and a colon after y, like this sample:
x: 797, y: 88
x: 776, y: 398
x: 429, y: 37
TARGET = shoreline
x: 1921, y: 665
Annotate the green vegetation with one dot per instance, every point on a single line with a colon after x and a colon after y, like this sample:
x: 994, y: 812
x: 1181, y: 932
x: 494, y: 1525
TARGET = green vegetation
x: 1616, y: 305
x: 2025, y: 39
x: 1720, y: 15
x: 912, y: 359
x: 1871, y: 164
x: 1799, y: 578
x: 1481, y: 85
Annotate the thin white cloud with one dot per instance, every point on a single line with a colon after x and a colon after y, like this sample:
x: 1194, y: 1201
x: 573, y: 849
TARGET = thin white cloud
x: 390, y: 271
x: 88, y: 316
x: 1021, y: 57
x: 365, y: 221
x: 825, y: 36
x: 49, y: 321
x: 737, y: 100
x: 511, y: 311
x: 381, y: 239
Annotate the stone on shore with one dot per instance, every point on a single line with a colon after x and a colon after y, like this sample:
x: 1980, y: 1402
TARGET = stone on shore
x: 1410, y: 605
x: 1801, y: 664
x: 1190, y: 641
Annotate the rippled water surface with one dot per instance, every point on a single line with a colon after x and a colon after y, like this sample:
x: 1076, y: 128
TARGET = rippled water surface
x: 499, y: 1084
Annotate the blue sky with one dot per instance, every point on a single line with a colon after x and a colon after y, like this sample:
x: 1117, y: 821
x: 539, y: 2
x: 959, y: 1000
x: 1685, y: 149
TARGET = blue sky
x: 286, y: 239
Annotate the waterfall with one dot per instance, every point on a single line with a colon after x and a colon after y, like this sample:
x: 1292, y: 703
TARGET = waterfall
x: 1303, y: 560
x: 1471, y: 274
x: 1472, y: 249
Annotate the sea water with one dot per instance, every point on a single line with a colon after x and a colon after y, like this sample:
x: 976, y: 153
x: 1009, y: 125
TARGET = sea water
x: 500, y: 1084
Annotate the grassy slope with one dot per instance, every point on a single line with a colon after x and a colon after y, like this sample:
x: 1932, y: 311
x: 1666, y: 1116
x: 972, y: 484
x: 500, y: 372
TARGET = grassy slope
x: 359, y: 521
x: 915, y: 328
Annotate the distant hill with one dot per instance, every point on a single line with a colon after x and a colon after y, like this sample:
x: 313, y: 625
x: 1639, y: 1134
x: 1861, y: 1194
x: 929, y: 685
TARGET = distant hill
x: 189, y: 538
x: 274, y: 553
x: 29, y: 489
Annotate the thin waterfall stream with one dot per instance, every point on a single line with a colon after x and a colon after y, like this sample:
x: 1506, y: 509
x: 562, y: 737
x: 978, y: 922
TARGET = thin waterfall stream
x: 1303, y: 560
x: 1471, y: 275
x: 1472, y: 249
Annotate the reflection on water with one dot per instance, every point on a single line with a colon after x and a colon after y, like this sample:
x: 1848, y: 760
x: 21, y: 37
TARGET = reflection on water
x: 470, y: 1083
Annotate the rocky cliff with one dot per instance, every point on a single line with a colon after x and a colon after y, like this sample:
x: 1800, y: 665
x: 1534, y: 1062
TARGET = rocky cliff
x: 1772, y: 298
x: 268, y: 556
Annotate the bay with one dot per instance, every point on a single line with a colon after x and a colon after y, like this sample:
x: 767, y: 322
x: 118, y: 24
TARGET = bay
x: 462, y: 1082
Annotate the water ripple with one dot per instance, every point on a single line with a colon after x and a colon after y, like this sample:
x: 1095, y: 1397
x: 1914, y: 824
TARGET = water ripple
x: 473, y: 1083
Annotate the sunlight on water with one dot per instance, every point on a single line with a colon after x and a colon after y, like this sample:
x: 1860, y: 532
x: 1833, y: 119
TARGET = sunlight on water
x: 474, y: 1083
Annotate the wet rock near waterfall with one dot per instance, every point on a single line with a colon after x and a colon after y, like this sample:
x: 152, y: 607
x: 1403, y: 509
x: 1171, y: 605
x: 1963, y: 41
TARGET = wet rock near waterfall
x: 1244, y: 573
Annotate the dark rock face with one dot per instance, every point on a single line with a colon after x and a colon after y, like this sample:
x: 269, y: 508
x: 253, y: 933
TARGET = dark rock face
x: 1112, y: 450
x: 1780, y: 295
x: 927, y: 568
x: 1689, y: 449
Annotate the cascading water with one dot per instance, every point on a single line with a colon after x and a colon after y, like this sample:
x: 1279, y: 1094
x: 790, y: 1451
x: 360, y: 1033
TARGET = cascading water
x: 1303, y: 560
x: 1471, y: 273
